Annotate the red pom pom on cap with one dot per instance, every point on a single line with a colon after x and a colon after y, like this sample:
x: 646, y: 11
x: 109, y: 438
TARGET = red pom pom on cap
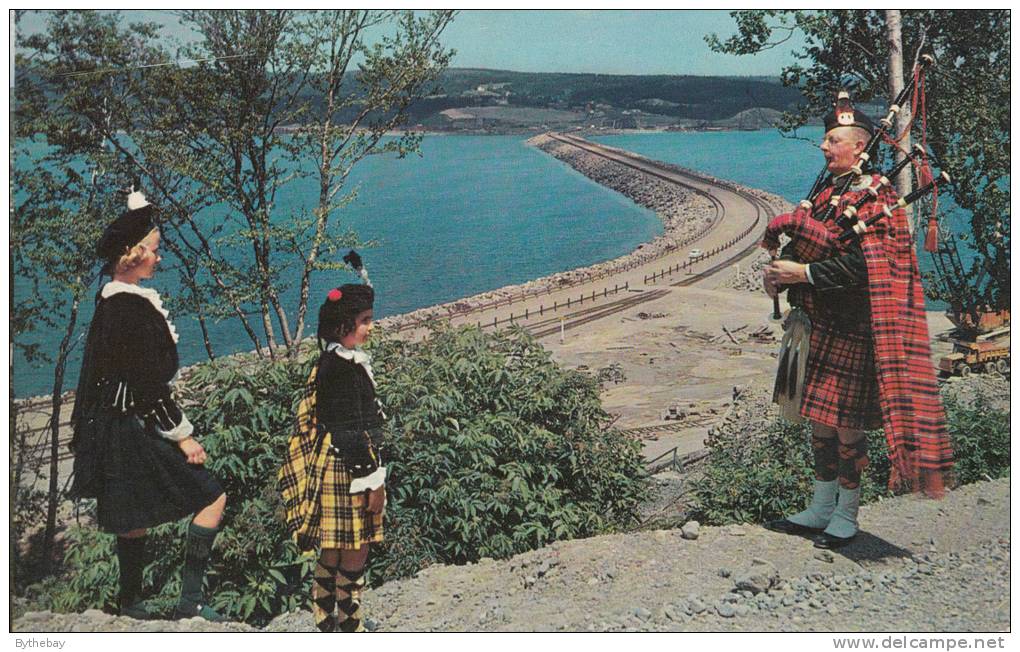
x: 334, y: 294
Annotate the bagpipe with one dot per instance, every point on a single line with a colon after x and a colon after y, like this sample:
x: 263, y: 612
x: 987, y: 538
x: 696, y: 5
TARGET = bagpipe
x: 815, y: 237
x: 812, y: 240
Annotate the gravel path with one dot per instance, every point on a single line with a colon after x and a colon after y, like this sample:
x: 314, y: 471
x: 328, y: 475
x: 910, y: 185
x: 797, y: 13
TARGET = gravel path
x: 918, y: 565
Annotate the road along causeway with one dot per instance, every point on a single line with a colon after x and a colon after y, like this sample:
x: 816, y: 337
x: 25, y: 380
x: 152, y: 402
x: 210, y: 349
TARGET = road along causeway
x: 723, y: 220
x: 711, y: 227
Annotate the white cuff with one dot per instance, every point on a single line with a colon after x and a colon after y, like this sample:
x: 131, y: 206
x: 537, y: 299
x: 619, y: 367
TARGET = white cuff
x: 180, y: 432
x: 807, y: 272
x: 373, y: 481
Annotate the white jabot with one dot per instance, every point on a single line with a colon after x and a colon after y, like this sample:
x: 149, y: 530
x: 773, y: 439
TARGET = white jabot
x: 355, y: 355
x: 115, y: 287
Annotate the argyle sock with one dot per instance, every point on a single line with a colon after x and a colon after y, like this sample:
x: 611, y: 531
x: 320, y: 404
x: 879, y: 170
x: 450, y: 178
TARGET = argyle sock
x: 853, y: 458
x: 826, y: 457
x: 324, y: 597
x: 131, y: 558
x: 844, y: 518
x: 823, y: 500
x: 196, y: 559
x: 349, y: 584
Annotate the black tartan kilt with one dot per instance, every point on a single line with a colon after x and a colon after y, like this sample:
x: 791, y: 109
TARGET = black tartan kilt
x: 139, y: 480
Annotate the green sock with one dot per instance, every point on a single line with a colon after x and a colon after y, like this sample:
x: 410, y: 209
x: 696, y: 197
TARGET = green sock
x: 196, y: 559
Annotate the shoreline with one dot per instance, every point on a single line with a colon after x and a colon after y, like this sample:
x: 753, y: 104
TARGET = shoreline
x: 678, y: 209
x: 681, y: 211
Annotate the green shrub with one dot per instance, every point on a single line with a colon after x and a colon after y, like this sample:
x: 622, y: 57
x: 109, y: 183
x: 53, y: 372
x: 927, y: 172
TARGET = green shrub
x: 493, y: 450
x: 980, y: 435
x: 760, y: 476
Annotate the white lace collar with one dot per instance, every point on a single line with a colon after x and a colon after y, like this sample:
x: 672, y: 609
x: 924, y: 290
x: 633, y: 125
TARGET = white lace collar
x: 356, y: 356
x: 115, y: 287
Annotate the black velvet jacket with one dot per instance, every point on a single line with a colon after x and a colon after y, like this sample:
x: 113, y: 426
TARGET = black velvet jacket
x: 130, y: 358
x: 346, y: 407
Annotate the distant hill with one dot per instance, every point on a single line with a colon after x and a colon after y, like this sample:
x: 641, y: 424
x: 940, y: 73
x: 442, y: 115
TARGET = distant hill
x: 494, y: 100
x: 482, y: 100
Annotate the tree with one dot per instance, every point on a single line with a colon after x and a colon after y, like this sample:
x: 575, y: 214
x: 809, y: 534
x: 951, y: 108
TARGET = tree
x: 272, y: 101
x: 64, y: 188
x: 967, y: 104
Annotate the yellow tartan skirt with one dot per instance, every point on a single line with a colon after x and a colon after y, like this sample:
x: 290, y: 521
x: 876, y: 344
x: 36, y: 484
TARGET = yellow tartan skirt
x: 344, y: 522
x: 318, y: 510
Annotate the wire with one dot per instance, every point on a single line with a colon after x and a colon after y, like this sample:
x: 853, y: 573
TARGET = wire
x: 105, y: 71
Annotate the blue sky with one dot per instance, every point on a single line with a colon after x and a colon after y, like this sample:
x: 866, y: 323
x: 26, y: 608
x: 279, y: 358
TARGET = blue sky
x: 599, y: 41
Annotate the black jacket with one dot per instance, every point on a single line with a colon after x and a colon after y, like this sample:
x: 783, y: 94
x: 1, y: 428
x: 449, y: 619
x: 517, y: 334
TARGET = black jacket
x: 130, y: 358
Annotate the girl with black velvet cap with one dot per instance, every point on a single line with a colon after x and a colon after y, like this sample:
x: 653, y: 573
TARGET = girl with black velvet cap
x: 134, y: 448
x: 333, y: 478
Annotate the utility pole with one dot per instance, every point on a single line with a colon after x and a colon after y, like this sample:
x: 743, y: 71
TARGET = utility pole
x: 893, y: 24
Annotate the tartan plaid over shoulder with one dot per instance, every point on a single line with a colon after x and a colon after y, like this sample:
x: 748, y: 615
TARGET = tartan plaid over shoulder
x: 303, y: 470
x: 912, y: 413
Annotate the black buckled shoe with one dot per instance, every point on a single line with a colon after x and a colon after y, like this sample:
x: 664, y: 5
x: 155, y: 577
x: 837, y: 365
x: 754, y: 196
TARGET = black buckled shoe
x: 786, y: 526
x: 828, y: 541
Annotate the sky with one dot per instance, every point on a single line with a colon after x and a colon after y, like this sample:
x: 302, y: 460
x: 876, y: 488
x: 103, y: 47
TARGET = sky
x: 592, y: 41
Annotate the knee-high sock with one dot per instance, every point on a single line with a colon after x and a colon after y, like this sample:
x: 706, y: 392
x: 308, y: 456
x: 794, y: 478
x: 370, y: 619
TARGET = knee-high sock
x: 853, y: 458
x: 196, y: 559
x: 324, y: 597
x: 348, y: 599
x: 131, y: 557
x: 826, y: 457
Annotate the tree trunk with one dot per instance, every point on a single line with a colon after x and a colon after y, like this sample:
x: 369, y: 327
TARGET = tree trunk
x: 56, y: 403
x: 894, y: 39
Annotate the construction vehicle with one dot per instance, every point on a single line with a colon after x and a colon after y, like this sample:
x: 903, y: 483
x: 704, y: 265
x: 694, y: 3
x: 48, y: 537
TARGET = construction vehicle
x: 987, y: 351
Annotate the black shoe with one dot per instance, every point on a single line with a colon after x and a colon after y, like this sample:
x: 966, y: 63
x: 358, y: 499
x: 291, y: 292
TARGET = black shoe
x: 137, y: 610
x: 832, y: 542
x: 786, y: 526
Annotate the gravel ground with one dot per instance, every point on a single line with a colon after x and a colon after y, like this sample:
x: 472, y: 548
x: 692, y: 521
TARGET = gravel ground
x: 918, y: 565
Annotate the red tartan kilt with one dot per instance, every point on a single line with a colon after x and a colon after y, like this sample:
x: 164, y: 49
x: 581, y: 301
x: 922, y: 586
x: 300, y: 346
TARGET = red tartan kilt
x: 841, y: 383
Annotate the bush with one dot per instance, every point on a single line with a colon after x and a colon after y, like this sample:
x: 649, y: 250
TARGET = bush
x: 493, y: 450
x: 757, y: 476
x: 980, y: 438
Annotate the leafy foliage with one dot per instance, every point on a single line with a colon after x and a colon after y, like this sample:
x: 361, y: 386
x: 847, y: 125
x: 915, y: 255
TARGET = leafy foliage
x: 493, y: 450
x: 967, y: 102
x: 496, y: 450
x: 981, y: 438
x: 760, y: 476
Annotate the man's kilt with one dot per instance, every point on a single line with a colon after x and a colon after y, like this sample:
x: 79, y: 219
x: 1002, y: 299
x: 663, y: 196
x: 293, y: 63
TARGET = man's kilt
x: 841, y: 385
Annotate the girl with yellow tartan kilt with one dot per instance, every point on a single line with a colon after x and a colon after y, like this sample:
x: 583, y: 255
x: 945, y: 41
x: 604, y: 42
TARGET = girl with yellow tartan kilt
x: 332, y: 478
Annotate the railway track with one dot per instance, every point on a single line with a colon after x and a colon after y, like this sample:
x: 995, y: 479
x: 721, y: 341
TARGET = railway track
x: 762, y: 212
x: 551, y: 325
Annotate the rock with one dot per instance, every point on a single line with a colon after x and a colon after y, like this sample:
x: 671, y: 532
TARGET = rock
x: 759, y: 577
x: 642, y: 613
x: 691, y: 530
x: 371, y: 624
x: 724, y: 572
x: 697, y: 606
x: 726, y: 610
x: 826, y: 556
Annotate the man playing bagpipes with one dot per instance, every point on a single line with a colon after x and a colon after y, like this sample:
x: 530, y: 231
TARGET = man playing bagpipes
x: 856, y: 353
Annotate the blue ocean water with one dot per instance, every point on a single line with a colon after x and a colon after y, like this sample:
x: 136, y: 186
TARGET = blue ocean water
x: 473, y: 213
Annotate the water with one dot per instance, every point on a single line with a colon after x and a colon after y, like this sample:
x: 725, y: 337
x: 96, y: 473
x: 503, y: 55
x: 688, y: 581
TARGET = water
x: 785, y: 166
x: 475, y: 213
